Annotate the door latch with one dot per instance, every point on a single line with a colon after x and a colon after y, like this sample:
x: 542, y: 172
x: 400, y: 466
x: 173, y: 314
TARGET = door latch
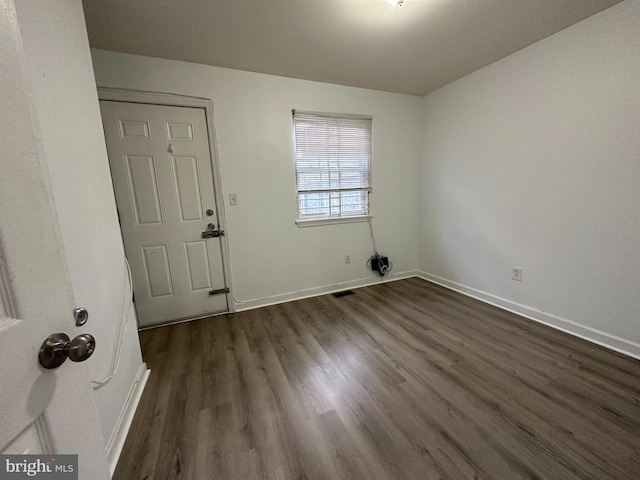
x: 212, y: 233
x: 219, y: 291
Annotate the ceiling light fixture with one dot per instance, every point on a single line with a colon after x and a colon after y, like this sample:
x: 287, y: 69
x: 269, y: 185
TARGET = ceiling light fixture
x: 396, y: 3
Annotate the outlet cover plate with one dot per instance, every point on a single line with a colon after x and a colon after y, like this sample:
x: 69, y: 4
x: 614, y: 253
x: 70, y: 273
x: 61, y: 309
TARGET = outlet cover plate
x: 516, y: 274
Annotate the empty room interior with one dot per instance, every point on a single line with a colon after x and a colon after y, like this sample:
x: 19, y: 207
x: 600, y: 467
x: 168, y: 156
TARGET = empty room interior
x: 338, y: 239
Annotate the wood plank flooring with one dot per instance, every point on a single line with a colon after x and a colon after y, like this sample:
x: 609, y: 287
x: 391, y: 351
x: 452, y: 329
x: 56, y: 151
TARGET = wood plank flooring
x: 403, y: 380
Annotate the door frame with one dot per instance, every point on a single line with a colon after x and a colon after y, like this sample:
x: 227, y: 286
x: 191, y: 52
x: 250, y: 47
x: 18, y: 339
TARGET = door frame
x: 174, y: 100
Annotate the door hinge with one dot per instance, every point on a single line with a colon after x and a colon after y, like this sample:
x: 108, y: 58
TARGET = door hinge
x: 212, y: 233
x: 218, y: 291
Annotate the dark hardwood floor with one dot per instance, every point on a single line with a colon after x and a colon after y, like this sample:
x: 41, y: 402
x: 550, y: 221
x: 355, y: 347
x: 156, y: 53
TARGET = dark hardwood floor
x: 404, y: 380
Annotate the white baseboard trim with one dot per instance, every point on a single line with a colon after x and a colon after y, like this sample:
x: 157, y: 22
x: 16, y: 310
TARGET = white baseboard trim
x: 324, y: 290
x: 604, y: 339
x: 119, y: 434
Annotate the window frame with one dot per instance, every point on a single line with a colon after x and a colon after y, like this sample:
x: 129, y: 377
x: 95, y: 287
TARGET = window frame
x: 329, y: 219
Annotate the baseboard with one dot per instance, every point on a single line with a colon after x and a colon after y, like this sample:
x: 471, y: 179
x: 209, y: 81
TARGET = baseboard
x: 119, y: 435
x: 604, y: 339
x: 323, y: 290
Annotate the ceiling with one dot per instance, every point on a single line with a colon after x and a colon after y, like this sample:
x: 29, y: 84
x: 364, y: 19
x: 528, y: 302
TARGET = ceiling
x: 412, y: 49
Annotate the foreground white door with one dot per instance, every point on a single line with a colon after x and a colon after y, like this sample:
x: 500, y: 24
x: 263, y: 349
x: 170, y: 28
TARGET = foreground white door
x: 163, y: 181
x: 41, y: 411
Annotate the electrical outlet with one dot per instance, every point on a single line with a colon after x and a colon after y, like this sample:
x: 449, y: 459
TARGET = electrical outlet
x: 233, y: 199
x: 347, y: 259
x: 516, y: 274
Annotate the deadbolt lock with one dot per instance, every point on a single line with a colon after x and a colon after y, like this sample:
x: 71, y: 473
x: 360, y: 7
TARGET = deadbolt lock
x: 80, y: 315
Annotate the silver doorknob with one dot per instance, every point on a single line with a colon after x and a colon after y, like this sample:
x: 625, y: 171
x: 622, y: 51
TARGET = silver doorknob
x: 57, y: 348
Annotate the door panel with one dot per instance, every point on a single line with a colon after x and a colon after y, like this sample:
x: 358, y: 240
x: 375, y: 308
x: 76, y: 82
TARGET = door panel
x: 134, y: 130
x: 180, y: 132
x: 188, y: 188
x: 157, y: 270
x: 143, y: 184
x: 41, y: 411
x: 163, y: 180
x: 32, y: 441
x: 198, y: 265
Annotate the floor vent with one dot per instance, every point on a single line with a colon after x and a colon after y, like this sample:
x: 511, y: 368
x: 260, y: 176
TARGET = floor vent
x: 344, y: 293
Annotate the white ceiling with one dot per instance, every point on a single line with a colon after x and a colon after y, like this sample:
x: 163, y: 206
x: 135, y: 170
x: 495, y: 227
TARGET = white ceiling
x: 411, y: 49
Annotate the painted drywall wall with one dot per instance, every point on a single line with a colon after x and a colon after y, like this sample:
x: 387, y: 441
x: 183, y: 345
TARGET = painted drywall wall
x: 270, y: 255
x: 534, y: 161
x: 67, y: 108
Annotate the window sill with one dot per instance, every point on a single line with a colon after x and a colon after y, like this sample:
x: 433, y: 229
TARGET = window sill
x: 316, y: 222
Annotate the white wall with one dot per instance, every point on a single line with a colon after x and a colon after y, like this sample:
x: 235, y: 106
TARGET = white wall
x: 534, y: 161
x: 56, y: 45
x: 269, y: 254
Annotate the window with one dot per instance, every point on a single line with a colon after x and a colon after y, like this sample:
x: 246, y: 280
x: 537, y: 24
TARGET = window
x: 333, y: 165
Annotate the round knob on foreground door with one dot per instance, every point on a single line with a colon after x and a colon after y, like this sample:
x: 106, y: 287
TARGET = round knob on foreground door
x: 81, y: 347
x: 57, y: 348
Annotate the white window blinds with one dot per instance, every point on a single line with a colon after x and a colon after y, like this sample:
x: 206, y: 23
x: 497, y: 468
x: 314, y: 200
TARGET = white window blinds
x: 333, y: 164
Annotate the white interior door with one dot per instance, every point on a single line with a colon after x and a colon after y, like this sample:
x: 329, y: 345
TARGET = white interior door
x: 41, y: 411
x: 163, y: 180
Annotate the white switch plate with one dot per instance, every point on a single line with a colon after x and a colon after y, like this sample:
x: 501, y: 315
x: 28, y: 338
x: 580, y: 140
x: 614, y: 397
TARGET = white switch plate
x: 233, y: 199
